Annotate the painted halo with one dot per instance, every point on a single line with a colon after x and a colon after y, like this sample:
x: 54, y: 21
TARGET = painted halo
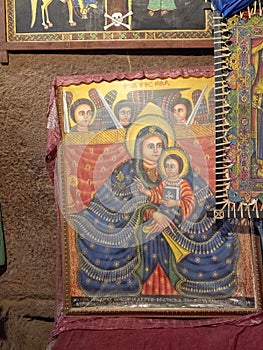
x: 179, y: 153
x: 142, y: 122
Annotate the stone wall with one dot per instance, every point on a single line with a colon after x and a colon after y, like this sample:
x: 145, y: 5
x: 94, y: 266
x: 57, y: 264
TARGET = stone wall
x: 27, y: 287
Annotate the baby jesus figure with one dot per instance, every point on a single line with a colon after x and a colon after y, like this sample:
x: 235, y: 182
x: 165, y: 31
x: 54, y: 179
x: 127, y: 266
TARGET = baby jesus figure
x: 174, y: 194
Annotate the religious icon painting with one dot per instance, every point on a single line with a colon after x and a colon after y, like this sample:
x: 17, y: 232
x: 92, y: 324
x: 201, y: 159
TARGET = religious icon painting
x: 89, y: 24
x: 133, y: 159
x: 239, y: 115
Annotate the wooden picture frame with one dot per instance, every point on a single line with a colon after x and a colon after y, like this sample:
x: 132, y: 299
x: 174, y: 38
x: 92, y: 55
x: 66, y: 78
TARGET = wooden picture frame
x: 125, y: 250
x: 92, y: 24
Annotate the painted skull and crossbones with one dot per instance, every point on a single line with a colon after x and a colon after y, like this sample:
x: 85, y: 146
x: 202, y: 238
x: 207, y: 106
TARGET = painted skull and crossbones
x: 117, y: 19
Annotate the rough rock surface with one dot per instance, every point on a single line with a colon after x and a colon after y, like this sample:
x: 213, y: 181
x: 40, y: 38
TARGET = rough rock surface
x: 27, y: 287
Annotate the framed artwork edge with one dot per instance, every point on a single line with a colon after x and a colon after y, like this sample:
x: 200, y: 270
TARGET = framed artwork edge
x: 123, y: 39
x: 145, y: 303
x: 239, y: 150
x: 144, y: 310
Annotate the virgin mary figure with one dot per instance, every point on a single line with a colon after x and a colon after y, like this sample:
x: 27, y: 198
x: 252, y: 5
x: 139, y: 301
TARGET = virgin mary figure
x: 118, y: 254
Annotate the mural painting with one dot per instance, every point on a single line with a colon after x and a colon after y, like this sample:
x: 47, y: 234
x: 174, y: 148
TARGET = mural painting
x: 105, y: 21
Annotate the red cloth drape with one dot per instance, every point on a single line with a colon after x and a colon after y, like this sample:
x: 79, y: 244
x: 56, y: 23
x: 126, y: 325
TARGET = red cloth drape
x: 241, y: 333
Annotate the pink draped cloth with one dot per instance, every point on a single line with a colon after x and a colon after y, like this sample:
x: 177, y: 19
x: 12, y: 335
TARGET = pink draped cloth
x: 123, y: 332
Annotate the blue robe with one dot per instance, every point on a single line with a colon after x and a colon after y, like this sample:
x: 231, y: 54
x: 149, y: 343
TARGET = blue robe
x: 230, y: 7
x: 117, y: 256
